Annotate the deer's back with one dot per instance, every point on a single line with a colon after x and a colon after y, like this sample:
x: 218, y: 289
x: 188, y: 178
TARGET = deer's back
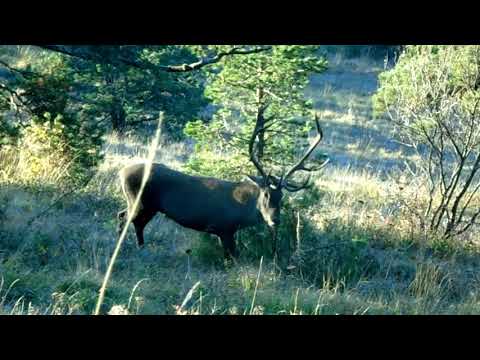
x: 197, y: 202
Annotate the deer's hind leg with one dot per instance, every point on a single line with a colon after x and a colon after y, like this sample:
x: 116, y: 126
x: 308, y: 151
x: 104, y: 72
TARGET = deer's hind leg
x: 122, y: 219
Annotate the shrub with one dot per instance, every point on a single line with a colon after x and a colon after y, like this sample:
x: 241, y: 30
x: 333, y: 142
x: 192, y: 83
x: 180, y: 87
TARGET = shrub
x: 432, y: 97
x: 59, y: 152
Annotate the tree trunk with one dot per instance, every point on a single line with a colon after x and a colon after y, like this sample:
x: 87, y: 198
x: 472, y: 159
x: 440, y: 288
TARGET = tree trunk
x: 260, y: 123
x: 118, y: 117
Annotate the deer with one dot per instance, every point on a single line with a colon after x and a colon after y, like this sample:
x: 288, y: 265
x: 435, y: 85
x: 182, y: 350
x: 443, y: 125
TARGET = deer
x: 212, y: 205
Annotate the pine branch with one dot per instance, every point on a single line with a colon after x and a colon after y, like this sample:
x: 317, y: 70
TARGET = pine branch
x: 119, y: 61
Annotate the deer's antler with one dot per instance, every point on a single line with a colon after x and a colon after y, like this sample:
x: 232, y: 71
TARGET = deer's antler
x: 300, y: 165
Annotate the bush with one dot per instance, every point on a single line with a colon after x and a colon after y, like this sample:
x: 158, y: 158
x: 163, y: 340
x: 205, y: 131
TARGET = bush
x: 53, y: 142
x: 432, y: 98
x: 8, y: 132
x: 56, y: 151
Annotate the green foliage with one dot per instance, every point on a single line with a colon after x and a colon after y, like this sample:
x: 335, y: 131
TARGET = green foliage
x: 46, y: 85
x: 110, y: 94
x: 273, y: 80
x: 8, y: 132
x: 270, y: 82
x: 339, y: 255
x: 129, y: 97
x: 216, y: 158
x: 432, y: 98
x: 79, y: 295
x: 54, y: 142
x: 208, y: 250
x: 423, y: 72
x: 64, y: 148
x: 27, y: 287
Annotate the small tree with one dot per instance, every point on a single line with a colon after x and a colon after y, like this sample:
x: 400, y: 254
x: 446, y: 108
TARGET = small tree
x: 120, y: 86
x: 432, y: 97
x: 260, y: 94
x: 257, y: 91
x: 52, y: 138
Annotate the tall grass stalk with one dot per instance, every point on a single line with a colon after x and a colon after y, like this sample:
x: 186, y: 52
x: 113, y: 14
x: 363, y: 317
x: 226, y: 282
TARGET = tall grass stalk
x: 146, y: 174
x: 4, y: 297
x: 133, y: 292
x: 256, y: 286
x: 187, y: 298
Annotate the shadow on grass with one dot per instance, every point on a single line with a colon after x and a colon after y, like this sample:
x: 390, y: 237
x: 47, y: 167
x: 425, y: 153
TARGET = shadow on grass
x: 357, y: 146
x: 39, y: 227
x: 352, y: 136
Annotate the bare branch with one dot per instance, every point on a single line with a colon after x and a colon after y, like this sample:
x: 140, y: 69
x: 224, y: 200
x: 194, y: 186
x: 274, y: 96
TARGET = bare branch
x: 148, y: 66
x: 17, y: 71
x: 467, y: 203
x: 207, y: 61
x: 456, y: 203
x: 469, y: 224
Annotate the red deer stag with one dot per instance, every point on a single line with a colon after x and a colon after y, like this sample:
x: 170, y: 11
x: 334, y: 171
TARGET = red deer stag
x: 208, y: 204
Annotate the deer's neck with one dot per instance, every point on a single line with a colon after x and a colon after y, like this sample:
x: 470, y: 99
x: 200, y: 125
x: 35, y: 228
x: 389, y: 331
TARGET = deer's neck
x: 245, y: 197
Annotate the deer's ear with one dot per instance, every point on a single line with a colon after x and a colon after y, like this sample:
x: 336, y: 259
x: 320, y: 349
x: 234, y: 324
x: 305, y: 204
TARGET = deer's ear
x: 274, y: 182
